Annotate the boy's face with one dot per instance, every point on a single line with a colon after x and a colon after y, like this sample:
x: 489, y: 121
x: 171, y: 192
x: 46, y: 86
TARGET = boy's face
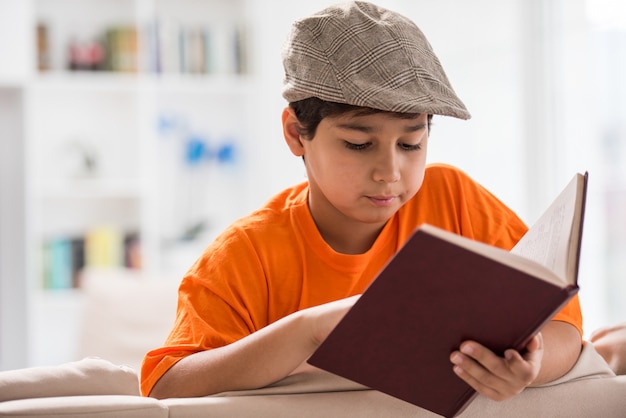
x: 364, y: 167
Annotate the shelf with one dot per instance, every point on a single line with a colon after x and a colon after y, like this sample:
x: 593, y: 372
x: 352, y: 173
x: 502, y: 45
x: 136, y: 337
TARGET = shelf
x: 137, y: 152
x: 59, y: 299
x: 201, y: 84
x: 89, y: 188
x: 134, y: 82
x: 7, y: 82
x: 83, y: 80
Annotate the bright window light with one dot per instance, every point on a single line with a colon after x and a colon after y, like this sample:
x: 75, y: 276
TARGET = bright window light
x: 607, y: 14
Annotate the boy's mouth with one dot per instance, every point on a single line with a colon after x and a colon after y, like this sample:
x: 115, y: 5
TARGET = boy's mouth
x: 382, y: 200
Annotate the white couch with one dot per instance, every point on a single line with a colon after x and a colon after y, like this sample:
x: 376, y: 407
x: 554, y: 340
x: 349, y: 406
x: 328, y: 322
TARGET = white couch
x: 94, y: 387
x: 126, y: 316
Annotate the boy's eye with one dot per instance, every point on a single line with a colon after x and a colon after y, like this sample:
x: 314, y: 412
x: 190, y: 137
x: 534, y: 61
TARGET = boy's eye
x: 366, y: 145
x: 410, y: 147
x: 356, y: 147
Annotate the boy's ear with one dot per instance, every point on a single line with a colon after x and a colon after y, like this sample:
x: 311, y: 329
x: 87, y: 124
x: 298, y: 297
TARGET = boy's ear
x: 290, y: 131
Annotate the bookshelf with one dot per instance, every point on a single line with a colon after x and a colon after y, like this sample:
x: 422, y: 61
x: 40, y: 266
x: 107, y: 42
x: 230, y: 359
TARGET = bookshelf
x: 127, y: 113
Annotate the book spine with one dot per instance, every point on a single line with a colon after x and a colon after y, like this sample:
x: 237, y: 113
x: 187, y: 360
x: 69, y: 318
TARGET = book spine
x: 561, y: 299
x: 161, y: 46
x: 78, y: 259
x: 59, y: 264
x: 103, y: 247
x: 64, y: 258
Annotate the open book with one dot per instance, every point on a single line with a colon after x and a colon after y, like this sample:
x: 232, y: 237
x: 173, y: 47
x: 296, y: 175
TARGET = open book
x: 441, y: 289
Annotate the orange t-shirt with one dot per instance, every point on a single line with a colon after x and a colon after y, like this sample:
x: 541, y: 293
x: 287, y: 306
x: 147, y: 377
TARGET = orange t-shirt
x: 274, y: 262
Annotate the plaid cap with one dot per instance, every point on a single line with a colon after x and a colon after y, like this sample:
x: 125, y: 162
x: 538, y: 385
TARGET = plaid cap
x: 364, y: 55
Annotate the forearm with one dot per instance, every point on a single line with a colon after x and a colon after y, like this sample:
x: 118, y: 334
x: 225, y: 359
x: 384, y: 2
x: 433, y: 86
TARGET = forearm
x: 254, y: 361
x: 257, y: 360
x: 562, y: 345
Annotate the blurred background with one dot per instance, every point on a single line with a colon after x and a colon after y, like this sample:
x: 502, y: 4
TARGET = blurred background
x: 133, y: 131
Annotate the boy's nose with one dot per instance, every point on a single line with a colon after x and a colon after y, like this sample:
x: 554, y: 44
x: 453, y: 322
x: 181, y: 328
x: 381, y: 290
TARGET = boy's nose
x: 387, y: 168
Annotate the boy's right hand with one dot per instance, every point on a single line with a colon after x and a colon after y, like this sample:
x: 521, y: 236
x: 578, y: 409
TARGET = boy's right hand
x: 324, y: 318
x: 496, y: 377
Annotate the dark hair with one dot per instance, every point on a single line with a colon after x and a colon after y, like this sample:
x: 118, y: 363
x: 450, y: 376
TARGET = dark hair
x: 311, y: 111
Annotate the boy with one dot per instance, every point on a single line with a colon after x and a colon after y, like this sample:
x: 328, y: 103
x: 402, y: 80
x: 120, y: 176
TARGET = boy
x: 362, y: 84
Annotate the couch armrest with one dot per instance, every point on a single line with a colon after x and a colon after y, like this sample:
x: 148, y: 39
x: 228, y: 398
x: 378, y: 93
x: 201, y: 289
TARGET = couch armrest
x: 90, y: 376
x: 101, y: 406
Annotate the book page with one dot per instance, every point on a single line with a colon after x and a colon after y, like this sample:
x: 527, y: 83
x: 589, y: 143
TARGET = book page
x: 550, y: 249
x: 504, y: 257
x: 553, y: 239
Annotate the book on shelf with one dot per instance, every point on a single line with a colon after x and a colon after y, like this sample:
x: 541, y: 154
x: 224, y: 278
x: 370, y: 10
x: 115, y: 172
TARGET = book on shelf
x: 162, y: 45
x: 215, y: 48
x: 43, y: 46
x: 121, y: 45
x: 441, y: 289
x: 104, y: 247
x: 58, y: 264
x: 65, y: 257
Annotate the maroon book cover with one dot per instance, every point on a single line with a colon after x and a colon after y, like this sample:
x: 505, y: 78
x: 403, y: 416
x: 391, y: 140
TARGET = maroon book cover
x: 441, y: 289
x: 432, y: 296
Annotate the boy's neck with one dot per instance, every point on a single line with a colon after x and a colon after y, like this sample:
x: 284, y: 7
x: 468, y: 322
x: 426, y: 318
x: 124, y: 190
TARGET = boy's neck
x: 349, y: 237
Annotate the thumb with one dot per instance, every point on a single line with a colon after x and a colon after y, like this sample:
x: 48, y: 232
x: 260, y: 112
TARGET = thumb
x: 534, y: 345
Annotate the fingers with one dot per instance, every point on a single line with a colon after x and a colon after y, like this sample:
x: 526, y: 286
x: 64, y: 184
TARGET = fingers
x: 487, y: 373
x: 471, y: 370
x: 534, y: 349
x: 497, y: 377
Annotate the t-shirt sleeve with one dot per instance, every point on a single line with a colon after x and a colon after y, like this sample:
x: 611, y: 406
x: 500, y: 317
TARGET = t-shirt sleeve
x: 216, y: 306
x: 505, y: 229
x: 458, y: 204
x: 572, y: 314
x: 481, y: 216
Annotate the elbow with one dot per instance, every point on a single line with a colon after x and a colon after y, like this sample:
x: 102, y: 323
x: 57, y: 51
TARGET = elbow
x: 158, y: 393
x: 164, y: 389
x: 161, y: 390
x: 168, y: 386
x: 563, y: 345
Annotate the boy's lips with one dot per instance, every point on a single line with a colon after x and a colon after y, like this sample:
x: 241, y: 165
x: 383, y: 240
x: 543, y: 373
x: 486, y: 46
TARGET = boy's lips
x: 382, y: 200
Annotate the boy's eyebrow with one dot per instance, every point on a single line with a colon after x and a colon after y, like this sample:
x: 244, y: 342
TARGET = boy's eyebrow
x: 355, y: 126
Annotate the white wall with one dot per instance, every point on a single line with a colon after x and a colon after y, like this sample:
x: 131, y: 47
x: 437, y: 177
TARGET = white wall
x: 13, y: 286
x: 482, y: 55
x: 14, y: 68
x: 522, y: 68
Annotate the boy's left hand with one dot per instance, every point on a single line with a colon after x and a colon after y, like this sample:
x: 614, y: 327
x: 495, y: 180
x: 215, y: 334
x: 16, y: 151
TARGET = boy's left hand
x: 495, y: 377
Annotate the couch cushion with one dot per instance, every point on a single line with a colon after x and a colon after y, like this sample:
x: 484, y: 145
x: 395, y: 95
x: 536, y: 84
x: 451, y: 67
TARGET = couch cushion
x: 90, y: 376
x: 596, y: 397
x: 589, y: 389
x: 102, y: 406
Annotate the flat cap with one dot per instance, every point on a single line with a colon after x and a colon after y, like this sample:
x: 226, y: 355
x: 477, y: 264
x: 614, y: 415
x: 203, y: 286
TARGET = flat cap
x: 364, y: 55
